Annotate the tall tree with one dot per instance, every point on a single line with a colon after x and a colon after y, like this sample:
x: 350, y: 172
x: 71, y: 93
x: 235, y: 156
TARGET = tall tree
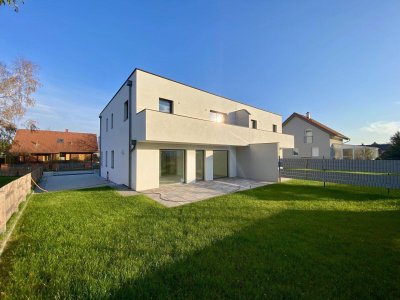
x: 394, y: 151
x: 17, y: 85
x: 12, y: 3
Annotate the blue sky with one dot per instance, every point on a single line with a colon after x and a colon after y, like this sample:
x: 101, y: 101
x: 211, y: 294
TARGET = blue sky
x: 338, y: 59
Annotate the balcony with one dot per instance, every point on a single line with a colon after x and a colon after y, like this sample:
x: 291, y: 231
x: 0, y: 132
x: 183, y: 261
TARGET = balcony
x: 155, y: 126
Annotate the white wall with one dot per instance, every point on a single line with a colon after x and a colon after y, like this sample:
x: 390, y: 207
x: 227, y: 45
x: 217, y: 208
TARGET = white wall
x: 194, y: 103
x: 258, y: 161
x: 117, y: 138
x: 242, y: 118
x: 170, y: 128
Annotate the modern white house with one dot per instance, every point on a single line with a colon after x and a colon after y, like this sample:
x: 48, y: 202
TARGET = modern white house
x: 313, y: 139
x: 158, y: 131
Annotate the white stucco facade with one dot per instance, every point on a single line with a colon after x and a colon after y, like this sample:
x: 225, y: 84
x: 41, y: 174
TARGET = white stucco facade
x: 251, y: 152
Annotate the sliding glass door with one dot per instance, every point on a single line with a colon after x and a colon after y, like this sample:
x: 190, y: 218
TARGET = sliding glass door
x: 172, y: 166
x: 220, y: 163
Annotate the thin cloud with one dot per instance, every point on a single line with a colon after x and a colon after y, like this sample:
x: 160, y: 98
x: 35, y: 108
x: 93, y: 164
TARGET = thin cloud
x: 57, y: 110
x: 383, y: 127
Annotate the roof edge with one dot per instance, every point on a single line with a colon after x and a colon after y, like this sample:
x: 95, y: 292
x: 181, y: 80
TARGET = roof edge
x: 169, y: 79
x: 315, y: 123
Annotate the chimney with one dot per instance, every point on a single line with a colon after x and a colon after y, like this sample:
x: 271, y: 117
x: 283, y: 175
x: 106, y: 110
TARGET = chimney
x: 308, y: 115
x: 66, y: 130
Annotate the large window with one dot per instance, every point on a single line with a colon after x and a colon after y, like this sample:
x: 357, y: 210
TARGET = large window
x: 166, y: 106
x: 126, y: 110
x: 112, y: 159
x: 172, y: 166
x: 217, y: 116
x: 220, y: 163
x: 308, y: 136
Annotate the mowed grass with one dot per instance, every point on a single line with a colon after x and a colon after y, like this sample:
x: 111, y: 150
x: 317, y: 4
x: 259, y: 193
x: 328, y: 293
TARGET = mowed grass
x: 290, y: 240
x: 6, y: 180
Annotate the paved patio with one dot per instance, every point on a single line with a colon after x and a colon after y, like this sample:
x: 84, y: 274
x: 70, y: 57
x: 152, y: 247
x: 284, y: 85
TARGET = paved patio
x: 172, y: 195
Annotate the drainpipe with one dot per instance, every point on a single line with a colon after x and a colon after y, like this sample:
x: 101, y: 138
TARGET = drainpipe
x: 101, y: 156
x: 129, y: 84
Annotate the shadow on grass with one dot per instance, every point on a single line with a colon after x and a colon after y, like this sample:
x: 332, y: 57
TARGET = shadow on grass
x: 294, y: 254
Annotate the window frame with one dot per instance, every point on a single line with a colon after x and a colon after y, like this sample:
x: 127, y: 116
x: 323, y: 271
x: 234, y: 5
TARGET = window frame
x: 216, y: 113
x: 126, y: 110
x: 306, y: 137
x: 312, y: 151
x: 274, y: 128
x: 171, y: 105
x: 254, y: 124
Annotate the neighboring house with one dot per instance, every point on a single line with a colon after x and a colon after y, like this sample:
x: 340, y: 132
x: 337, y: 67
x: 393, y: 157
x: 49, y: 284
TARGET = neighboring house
x: 157, y: 131
x: 382, y: 148
x: 313, y: 139
x: 45, y: 146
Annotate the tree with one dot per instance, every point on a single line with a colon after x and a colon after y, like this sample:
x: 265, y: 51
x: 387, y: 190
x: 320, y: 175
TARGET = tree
x: 394, y: 151
x: 12, y: 3
x: 17, y: 85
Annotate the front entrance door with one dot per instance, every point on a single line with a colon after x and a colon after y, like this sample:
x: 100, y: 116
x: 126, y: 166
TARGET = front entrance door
x: 199, y: 165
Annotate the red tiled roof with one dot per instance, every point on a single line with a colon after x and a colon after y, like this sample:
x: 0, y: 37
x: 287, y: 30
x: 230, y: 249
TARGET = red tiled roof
x: 316, y: 124
x: 46, y: 141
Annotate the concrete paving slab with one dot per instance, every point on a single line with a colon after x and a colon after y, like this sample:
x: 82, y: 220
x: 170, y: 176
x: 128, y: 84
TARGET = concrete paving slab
x: 172, y: 195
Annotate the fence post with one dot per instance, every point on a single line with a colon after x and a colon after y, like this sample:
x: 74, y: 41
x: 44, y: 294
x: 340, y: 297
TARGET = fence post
x: 279, y: 168
x: 324, y: 169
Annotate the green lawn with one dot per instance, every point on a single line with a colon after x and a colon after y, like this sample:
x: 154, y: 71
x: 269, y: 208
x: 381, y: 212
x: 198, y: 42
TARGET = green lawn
x: 6, y: 179
x: 290, y: 240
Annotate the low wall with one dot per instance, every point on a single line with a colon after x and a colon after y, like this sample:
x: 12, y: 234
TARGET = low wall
x: 12, y: 194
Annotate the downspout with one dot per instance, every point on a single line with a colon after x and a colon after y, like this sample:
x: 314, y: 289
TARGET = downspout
x: 129, y: 84
x: 101, y: 152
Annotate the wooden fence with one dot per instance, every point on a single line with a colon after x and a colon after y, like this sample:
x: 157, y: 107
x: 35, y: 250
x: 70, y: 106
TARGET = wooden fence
x: 12, y: 194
